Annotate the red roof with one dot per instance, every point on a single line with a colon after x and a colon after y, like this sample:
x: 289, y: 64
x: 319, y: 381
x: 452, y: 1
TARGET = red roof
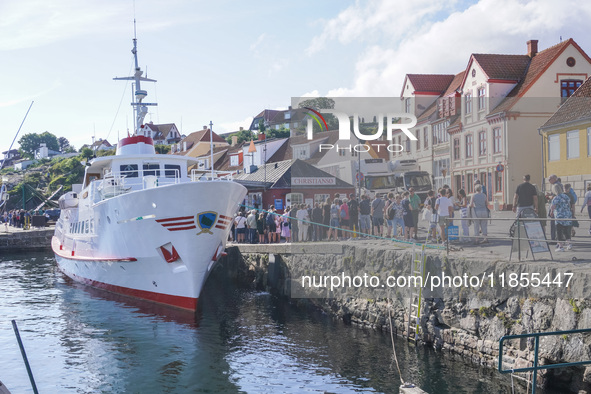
x: 432, y: 83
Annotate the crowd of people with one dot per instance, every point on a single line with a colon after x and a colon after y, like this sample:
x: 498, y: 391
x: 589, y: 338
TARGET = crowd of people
x: 390, y: 216
x: 399, y: 216
x: 20, y: 218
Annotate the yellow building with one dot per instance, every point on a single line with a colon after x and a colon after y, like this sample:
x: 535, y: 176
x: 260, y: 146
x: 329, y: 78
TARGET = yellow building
x: 567, y: 140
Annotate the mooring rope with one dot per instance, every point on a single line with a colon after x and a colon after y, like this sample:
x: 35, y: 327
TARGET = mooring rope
x: 393, y: 344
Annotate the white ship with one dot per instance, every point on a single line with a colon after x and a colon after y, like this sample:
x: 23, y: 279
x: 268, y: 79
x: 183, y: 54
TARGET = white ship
x: 140, y: 224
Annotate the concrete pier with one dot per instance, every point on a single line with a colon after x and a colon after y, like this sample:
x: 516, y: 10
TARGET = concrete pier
x: 14, y: 239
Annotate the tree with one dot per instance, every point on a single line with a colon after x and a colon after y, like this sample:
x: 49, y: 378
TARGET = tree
x: 281, y: 133
x: 162, y: 149
x: 86, y: 153
x: 243, y: 135
x: 29, y: 143
x: 63, y: 143
x: 319, y: 103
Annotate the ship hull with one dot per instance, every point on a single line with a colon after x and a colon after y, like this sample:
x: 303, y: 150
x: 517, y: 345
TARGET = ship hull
x: 157, y: 244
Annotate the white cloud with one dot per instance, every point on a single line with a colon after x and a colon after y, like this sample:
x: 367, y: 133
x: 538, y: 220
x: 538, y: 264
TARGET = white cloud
x: 233, y: 126
x: 255, y: 45
x: 444, y: 46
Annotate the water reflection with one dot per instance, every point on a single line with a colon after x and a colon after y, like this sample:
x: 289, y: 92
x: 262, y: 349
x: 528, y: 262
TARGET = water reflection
x: 81, y: 340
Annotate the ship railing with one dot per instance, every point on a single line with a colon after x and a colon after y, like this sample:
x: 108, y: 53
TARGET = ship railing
x: 201, y: 175
x: 112, y: 185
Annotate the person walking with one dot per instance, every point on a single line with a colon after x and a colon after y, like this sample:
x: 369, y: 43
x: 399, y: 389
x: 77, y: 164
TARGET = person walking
x: 463, y: 204
x: 261, y: 227
x: 353, y: 214
x: 365, y: 216
x: 326, y: 218
x: 479, y: 214
x: 552, y: 179
x: 587, y: 204
x: 317, y: 219
x: 389, y: 213
x: 445, y: 209
x: 240, y: 222
x: 294, y: 223
x: 285, y: 230
x: 377, y: 215
x: 251, y: 223
x: 525, y: 197
x: 408, y: 217
x: 334, y: 220
x: 415, y: 205
x: 560, y: 208
x: 303, y: 219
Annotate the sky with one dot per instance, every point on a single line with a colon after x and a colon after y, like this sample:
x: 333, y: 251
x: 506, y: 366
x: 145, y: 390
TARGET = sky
x: 225, y: 61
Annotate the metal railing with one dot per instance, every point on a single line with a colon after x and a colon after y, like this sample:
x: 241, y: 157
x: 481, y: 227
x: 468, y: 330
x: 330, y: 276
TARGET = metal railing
x: 201, y: 175
x: 518, y: 237
x: 535, y: 368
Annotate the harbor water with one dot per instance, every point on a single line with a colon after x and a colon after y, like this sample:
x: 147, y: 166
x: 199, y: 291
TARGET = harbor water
x: 80, y: 340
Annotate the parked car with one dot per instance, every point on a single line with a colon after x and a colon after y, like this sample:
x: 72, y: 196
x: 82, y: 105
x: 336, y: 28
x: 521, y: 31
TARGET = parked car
x: 53, y: 214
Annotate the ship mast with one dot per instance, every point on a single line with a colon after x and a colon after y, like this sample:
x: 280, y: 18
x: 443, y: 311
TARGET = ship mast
x: 140, y: 108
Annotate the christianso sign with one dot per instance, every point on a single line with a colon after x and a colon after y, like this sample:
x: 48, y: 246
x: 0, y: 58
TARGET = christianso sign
x: 313, y: 181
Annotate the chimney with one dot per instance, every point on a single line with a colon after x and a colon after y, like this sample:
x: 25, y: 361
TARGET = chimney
x: 532, y: 48
x: 234, y: 140
x: 204, y: 127
x: 261, y: 136
x: 241, y: 128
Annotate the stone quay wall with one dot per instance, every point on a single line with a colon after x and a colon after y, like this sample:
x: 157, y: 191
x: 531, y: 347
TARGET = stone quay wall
x: 463, y: 322
x: 22, y: 241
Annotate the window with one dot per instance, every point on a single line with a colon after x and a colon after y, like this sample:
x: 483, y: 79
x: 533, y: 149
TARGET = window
x: 588, y: 141
x: 294, y: 198
x: 497, y: 147
x: 568, y: 87
x: 498, y: 182
x: 172, y: 171
x: 440, y: 134
x: 407, y: 145
x: 129, y: 170
x: 234, y: 161
x: 469, y: 145
x: 482, y: 143
x: 481, y: 98
x: 456, y: 149
x: 400, y: 144
x: 553, y: 147
x: 572, y: 144
x: 468, y: 103
x: 426, y: 138
x: 151, y: 169
x: 470, y: 183
x: 418, y: 141
x: 407, y: 106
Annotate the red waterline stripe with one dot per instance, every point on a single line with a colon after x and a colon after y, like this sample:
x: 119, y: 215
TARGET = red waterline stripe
x: 171, y: 219
x: 166, y: 299
x: 68, y: 254
x: 181, y: 228
x: 222, y: 227
x: 226, y: 217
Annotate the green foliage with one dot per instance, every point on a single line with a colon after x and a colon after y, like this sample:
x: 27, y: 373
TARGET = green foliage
x: 86, y: 153
x: 318, y: 103
x: 63, y: 143
x: 574, y: 305
x: 66, y: 172
x: 243, y: 135
x: 281, y: 133
x: 162, y: 149
x: 105, y: 152
x: 29, y: 143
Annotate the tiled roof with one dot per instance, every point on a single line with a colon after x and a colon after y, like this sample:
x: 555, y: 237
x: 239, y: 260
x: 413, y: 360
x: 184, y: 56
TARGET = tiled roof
x: 576, y: 107
x: 436, y: 83
x: 455, y: 84
x: 539, y: 63
x: 286, y: 150
x: 505, y: 67
x: 273, y: 172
